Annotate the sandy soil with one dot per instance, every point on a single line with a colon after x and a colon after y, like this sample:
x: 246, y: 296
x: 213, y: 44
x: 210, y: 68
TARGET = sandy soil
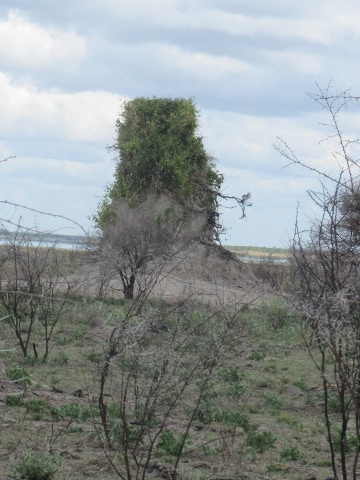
x: 213, y: 274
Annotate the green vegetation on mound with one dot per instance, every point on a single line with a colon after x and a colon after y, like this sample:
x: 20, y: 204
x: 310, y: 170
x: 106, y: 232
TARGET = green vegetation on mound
x: 160, y: 152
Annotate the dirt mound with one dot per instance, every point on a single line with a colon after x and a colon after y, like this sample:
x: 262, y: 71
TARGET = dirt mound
x: 200, y: 267
x: 212, y: 273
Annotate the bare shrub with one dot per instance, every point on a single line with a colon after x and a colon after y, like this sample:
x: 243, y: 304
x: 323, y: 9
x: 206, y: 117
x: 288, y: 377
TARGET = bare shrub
x: 135, y: 248
x: 158, y: 367
x: 325, y: 262
x: 274, y: 271
x: 35, y: 286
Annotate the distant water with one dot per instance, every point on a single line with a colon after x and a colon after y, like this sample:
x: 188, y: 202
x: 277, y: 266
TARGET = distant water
x: 259, y: 259
x: 60, y: 241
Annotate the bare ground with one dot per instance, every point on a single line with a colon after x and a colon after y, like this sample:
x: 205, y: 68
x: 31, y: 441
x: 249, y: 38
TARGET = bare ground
x: 214, y: 273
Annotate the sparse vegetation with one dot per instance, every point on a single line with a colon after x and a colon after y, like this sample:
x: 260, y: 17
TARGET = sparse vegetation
x: 237, y: 424
x: 125, y: 383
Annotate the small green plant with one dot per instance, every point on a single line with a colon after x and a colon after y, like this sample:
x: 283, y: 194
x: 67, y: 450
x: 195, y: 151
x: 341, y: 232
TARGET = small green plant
x: 209, y: 451
x: 260, y: 442
x: 334, y: 404
x: 301, y: 384
x: 276, y: 314
x: 76, y: 411
x: 272, y: 401
x: 172, y: 445
x: 254, y: 409
x: 291, y: 453
x: 263, y: 384
x: 257, y: 356
x: 37, y: 407
x: 32, y: 360
x: 351, y: 442
x: 36, y: 466
x: 323, y: 463
x: 75, y: 430
x: 55, y: 379
x: 233, y: 419
x: 124, y: 436
x: 229, y: 374
x: 290, y: 420
x: 206, y: 411
x: 60, y: 359
x: 95, y: 357
x: 236, y: 389
x: 17, y: 374
x: 13, y: 400
x: 271, y: 367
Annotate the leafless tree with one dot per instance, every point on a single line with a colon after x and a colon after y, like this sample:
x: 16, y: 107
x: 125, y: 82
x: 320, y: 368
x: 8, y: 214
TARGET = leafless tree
x: 36, y: 285
x: 326, y: 264
x: 135, y: 246
x: 158, y: 366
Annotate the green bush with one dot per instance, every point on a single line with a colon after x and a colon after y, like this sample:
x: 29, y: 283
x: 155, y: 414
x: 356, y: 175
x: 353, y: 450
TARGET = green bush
x: 351, y: 442
x: 122, y: 436
x: 206, y: 410
x: 301, y: 383
x: 260, y: 442
x: 291, y: 453
x: 17, y: 374
x: 60, y: 359
x: 257, y: 356
x: 169, y: 444
x: 276, y: 314
x: 272, y: 401
x: 160, y: 152
x: 233, y: 419
x: 13, y: 400
x: 95, y: 357
x: 230, y: 374
x: 36, y: 405
x: 36, y: 466
x: 76, y: 411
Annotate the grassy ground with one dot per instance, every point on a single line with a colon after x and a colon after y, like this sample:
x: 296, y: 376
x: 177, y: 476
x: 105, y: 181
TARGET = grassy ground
x: 262, y: 417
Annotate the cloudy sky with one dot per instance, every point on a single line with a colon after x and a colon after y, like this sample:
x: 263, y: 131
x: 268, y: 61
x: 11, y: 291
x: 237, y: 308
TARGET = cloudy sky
x: 66, y: 67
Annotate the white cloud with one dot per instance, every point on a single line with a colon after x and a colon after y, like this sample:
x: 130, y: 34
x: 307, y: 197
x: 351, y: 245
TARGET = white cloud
x: 24, y: 44
x: 199, y: 65
x: 70, y: 188
x: 247, y: 139
x: 321, y: 24
x: 29, y: 112
x: 295, y: 61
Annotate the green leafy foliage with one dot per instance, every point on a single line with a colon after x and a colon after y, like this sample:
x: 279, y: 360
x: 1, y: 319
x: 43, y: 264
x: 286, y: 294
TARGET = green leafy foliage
x: 172, y: 445
x: 291, y: 453
x: 260, y: 442
x: 36, y: 466
x: 124, y: 436
x: 17, y: 374
x: 13, y: 400
x: 160, y: 153
x: 272, y: 401
x: 36, y: 405
x: 76, y: 411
